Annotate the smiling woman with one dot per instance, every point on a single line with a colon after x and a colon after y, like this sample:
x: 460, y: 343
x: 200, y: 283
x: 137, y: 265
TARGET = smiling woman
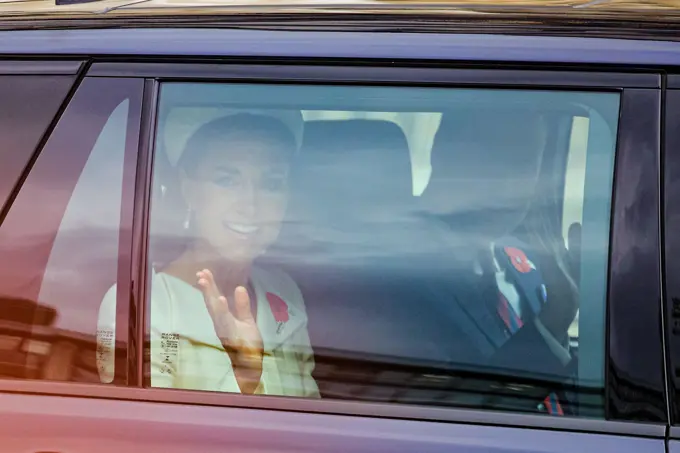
x: 239, y: 327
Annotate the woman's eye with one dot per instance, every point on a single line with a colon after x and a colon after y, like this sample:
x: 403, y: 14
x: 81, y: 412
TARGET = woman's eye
x: 274, y: 183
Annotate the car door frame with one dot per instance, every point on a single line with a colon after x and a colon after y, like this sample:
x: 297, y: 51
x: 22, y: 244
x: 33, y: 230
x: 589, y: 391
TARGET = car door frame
x: 641, y: 93
x: 671, y: 251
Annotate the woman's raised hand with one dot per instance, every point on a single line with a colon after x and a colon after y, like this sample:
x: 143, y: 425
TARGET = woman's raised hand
x: 237, y: 330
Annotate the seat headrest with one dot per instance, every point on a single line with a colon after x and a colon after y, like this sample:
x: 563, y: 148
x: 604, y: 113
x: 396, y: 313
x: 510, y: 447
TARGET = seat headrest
x: 351, y: 179
x: 353, y: 134
x: 488, y: 142
x: 357, y: 158
x: 486, y: 163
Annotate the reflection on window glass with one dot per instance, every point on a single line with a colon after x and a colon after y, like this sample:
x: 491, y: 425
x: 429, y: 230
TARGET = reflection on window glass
x: 61, y: 235
x: 29, y: 104
x: 402, y: 245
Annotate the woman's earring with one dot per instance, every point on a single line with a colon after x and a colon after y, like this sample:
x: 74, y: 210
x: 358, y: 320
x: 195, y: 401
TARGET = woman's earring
x: 187, y: 219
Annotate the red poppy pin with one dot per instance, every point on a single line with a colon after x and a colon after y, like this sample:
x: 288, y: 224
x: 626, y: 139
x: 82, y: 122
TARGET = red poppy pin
x: 279, y: 309
x: 519, y: 260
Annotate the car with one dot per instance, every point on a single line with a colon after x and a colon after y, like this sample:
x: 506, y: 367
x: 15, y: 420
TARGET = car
x: 370, y: 225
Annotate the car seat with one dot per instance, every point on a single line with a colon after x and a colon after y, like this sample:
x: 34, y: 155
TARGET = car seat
x: 467, y: 325
x: 346, y: 241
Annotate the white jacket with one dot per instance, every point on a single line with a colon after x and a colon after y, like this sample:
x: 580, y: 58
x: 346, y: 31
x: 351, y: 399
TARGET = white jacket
x: 185, y: 350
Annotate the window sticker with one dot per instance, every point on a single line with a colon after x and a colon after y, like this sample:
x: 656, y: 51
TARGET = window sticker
x: 169, y: 352
x: 106, y: 355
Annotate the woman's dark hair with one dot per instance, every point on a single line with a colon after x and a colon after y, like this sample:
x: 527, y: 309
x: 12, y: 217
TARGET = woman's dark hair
x: 239, y: 125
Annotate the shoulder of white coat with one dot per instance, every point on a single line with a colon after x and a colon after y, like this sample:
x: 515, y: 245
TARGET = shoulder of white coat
x: 110, y: 293
x: 280, y: 283
x: 165, y: 292
x: 159, y: 296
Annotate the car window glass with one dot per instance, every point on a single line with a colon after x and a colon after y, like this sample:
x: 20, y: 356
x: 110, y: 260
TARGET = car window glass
x: 402, y: 245
x: 61, y: 235
x: 29, y: 104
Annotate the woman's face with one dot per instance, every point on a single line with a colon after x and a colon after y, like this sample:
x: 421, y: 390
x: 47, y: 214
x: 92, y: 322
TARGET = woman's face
x: 238, y: 195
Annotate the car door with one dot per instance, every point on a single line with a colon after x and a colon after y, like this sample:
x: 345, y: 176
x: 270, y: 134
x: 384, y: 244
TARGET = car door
x: 104, y: 204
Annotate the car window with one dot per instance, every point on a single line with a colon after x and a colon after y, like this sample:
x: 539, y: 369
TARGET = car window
x: 62, y: 236
x: 387, y: 244
x: 29, y: 104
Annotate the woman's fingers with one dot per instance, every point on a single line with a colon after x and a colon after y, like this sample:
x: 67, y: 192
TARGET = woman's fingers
x: 216, y: 303
x: 207, y: 283
x: 218, y: 306
x: 242, y: 304
x: 222, y: 305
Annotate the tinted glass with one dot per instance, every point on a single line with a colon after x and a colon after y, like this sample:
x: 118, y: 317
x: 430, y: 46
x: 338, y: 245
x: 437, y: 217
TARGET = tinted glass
x: 672, y: 246
x: 29, y: 104
x: 61, y: 236
x: 407, y: 245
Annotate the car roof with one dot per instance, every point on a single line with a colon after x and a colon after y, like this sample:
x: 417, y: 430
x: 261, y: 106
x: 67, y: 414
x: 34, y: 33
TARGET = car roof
x: 261, y: 45
x: 602, y: 32
x: 612, y: 9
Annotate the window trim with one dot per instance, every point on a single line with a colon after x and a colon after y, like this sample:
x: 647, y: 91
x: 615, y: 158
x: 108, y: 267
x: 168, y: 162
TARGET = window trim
x: 128, y: 215
x: 367, y: 73
x: 672, y: 81
x: 60, y: 67
x: 674, y: 433
x: 336, y: 407
x: 138, y: 328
